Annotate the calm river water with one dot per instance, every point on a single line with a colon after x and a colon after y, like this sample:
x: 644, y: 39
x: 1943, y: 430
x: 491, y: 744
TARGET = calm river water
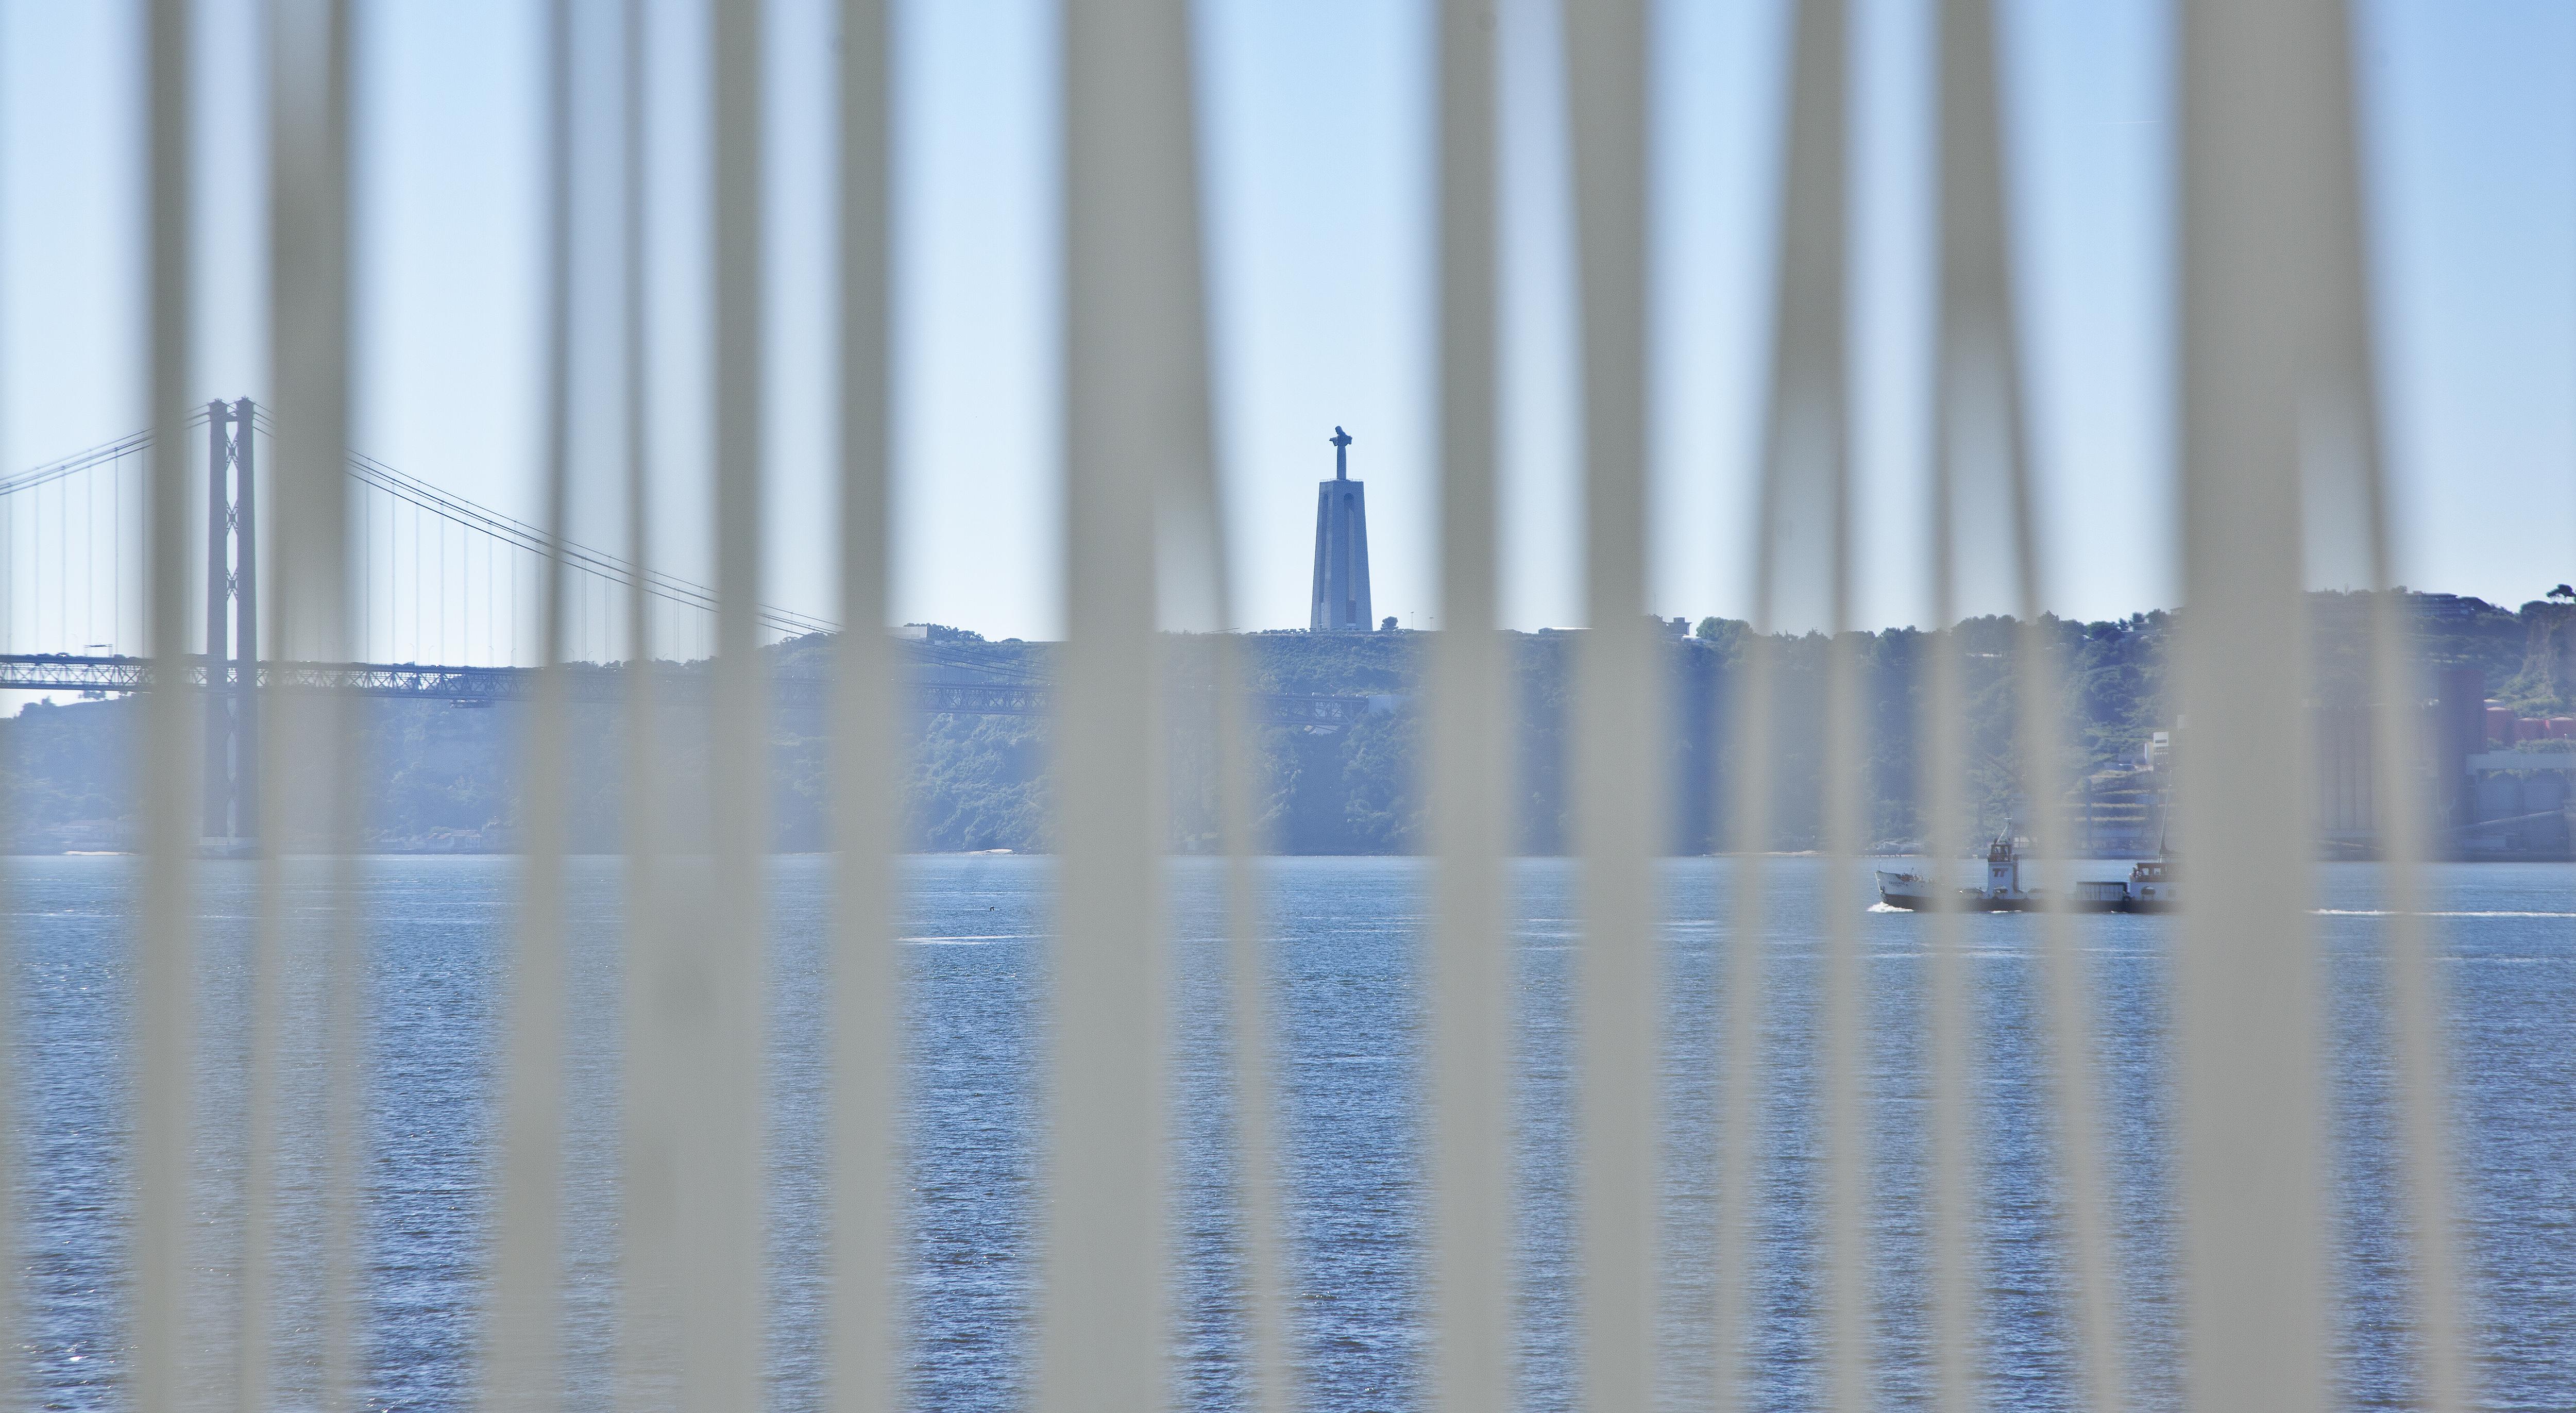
x: 1344, y: 974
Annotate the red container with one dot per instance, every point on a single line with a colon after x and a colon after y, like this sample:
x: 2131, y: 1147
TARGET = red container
x: 2562, y: 728
x: 2499, y: 723
x: 2529, y: 728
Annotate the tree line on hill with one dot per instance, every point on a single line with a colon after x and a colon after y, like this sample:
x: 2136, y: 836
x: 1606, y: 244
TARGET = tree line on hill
x: 445, y: 778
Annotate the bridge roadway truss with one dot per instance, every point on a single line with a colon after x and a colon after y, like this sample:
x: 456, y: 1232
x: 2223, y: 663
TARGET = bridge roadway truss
x: 43, y: 672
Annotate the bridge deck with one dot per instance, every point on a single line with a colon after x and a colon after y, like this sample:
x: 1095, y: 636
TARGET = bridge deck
x: 44, y: 672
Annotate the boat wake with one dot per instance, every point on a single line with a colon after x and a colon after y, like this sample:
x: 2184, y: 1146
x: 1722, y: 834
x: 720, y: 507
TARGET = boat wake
x: 2383, y: 912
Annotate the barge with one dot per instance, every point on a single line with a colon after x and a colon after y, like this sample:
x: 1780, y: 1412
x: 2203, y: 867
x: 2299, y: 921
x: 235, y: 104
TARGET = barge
x: 2148, y: 888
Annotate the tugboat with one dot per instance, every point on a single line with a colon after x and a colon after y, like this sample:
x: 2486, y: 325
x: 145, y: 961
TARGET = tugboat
x: 2151, y: 888
x: 2002, y: 892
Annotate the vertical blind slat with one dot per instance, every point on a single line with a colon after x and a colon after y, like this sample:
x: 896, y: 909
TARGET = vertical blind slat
x: 2348, y: 357
x: 726, y: 1142
x: 165, y: 936
x: 867, y: 1009
x: 1981, y: 453
x: 1949, y: 1047
x: 308, y: 213
x: 1469, y: 794
x: 647, y: 1158
x: 523, y: 1371
x: 1965, y: 156
x: 2246, y: 996
x: 1135, y: 416
x: 1805, y: 513
x: 1617, y: 696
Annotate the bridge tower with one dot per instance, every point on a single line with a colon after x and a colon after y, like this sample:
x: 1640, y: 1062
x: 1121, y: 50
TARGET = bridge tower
x: 231, y: 822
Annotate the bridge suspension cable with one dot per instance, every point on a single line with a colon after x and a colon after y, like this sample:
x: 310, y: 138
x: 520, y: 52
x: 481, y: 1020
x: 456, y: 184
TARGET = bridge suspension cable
x: 456, y: 509
x: 104, y: 454
x: 46, y: 599
x: 62, y: 572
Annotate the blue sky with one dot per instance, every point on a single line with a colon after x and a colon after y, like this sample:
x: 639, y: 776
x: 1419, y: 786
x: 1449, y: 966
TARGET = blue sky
x: 1317, y: 141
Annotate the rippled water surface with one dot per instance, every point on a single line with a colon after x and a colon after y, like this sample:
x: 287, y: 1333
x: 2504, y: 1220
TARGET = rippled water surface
x: 1343, y: 978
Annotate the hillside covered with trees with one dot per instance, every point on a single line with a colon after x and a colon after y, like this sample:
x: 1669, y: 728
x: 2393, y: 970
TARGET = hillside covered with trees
x: 445, y: 776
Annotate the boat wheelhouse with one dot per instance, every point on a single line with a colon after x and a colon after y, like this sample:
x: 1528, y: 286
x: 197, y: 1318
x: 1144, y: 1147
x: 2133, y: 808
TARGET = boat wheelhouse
x: 2002, y: 891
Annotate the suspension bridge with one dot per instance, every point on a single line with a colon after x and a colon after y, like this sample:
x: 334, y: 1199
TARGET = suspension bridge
x: 446, y: 600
